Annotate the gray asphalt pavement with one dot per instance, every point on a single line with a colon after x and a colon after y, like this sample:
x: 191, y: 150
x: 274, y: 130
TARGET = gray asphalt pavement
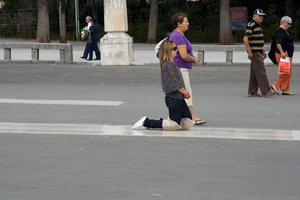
x: 76, y: 167
x: 140, y: 168
x: 219, y: 93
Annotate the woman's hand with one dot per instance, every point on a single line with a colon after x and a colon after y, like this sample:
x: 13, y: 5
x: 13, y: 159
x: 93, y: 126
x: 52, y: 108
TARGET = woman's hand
x: 279, y: 47
x: 182, y: 49
x: 195, y: 60
x: 187, y: 95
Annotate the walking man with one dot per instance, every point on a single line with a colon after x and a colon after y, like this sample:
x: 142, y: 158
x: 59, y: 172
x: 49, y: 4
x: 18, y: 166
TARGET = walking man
x: 254, y: 42
x: 88, y: 45
x: 95, y: 38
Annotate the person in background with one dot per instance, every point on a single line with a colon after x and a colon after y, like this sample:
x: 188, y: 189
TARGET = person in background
x: 285, y: 48
x: 88, y: 45
x: 175, y: 93
x: 95, y: 38
x: 254, y: 42
x: 184, y: 58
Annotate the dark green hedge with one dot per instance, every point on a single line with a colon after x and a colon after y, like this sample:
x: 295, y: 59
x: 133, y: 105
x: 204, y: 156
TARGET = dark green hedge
x: 203, y: 18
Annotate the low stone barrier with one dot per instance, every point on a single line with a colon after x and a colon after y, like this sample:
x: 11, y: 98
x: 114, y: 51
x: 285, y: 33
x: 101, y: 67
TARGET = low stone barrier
x: 65, y: 50
x: 229, y: 49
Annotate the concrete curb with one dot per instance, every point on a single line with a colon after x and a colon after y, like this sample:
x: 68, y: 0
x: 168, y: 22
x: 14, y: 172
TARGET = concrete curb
x: 49, y: 62
x: 98, y: 63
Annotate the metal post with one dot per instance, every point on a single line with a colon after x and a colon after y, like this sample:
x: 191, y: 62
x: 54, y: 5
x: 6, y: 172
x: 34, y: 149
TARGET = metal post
x: 77, y: 19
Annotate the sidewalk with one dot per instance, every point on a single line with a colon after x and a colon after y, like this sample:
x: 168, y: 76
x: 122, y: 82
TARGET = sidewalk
x: 143, y: 54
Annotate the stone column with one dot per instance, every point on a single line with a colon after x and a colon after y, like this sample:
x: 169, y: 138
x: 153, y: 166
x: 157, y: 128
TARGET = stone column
x: 201, y: 57
x: 116, y: 45
x: 35, y: 54
x: 229, y: 56
x: 7, y: 54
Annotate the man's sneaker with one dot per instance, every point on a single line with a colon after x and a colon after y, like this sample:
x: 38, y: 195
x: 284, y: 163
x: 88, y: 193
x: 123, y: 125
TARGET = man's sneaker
x: 139, y: 124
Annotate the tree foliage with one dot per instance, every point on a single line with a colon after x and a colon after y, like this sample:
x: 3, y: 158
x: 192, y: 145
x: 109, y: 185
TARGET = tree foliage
x: 12, y: 6
x: 204, y: 17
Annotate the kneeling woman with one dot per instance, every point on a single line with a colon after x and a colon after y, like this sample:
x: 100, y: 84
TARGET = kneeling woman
x: 173, y: 87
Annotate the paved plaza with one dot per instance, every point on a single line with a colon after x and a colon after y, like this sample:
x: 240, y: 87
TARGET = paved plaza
x: 120, y: 95
x: 65, y: 134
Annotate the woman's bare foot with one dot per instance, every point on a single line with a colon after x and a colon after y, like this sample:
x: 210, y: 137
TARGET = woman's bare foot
x: 275, y: 89
x: 287, y: 92
x: 199, y: 121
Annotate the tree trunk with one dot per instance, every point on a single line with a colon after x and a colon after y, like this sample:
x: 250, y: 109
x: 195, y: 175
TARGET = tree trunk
x: 225, y: 23
x: 290, y: 9
x: 95, y: 12
x: 42, y: 35
x: 92, y: 3
x: 152, y: 26
x: 62, y: 22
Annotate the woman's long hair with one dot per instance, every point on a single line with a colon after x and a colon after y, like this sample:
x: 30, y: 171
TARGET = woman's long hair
x: 165, y: 51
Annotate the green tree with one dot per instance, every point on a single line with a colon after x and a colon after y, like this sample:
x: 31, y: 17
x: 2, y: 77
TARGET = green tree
x: 271, y: 22
x: 43, y: 35
x: 62, y: 21
x: 152, y: 26
x: 290, y: 8
x: 12, y: 7
x: 297, y: 25
x: 225, y: 23
x: 93, y: 5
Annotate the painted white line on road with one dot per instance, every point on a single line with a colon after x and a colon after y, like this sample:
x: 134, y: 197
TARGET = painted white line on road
x: 62, y: 102
x: 125, y: 130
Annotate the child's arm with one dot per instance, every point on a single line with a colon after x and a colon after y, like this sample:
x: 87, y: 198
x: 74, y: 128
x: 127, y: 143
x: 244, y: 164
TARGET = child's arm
x: 186, y: 94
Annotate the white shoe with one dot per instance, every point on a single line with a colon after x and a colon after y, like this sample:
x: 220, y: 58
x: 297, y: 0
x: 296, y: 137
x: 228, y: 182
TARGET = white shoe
x: 170, y: 125
x: 186, y: 123
x: 139, y: 124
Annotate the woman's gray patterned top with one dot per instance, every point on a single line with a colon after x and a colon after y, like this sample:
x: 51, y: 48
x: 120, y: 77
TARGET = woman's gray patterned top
x: 171, y: 80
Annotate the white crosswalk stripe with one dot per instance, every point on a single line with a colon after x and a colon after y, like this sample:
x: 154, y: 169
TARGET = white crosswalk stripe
x: 123, y: 130
x: 62, y: 102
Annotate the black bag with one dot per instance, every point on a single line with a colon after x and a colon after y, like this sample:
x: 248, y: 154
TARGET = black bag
x: 271, y: 53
